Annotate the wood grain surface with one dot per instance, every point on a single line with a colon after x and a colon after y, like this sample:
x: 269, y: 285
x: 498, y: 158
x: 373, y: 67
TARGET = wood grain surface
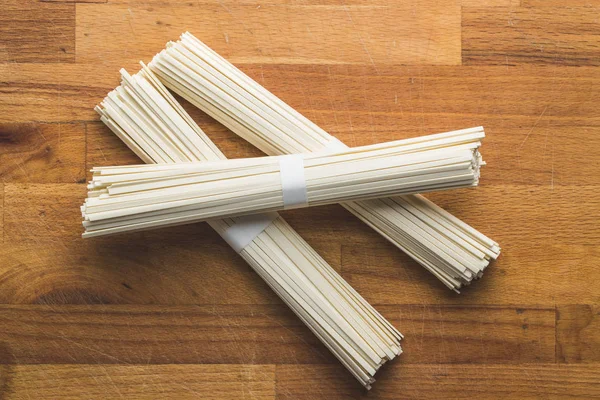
x: 175, y: 314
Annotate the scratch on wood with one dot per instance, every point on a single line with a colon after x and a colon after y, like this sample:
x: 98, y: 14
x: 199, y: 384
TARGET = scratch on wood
x: 533, y: 127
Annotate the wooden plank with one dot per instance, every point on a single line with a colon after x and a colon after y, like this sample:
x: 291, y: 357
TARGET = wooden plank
x: 559, y: 227
x: 559, y: 215
x: 355, y: 103
x: 401, y: 381
x: 214, y: 382
x: 578, y: 333
x: 554, y: 36
x: 42, y: 153
x: 422, y: 100
x: 385, y: 276
x: 34, y: 32
x: 474, y: 334
x: 160, y: 334
x: 415, y: 32
x: 180, y: 267
x: 491, y: 3
x: 1, y: 212
x: 560, y: 3
x: 74, y: 1
x: 481, y: 3
x: 152, y: 334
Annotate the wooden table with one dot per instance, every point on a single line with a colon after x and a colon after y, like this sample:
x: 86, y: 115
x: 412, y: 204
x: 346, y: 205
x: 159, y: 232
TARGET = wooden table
x: 174, y: 313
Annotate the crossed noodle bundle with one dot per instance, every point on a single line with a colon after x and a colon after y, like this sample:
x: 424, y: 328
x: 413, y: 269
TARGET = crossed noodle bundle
x: 453, y: 251
x: 150, y: 121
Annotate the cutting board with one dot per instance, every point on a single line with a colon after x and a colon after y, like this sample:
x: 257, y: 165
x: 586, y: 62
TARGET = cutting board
x: 174, y: 313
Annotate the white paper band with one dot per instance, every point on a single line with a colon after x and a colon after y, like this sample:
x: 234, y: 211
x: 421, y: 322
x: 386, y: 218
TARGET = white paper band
x: 246, y: 229
x: 293, y: 182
